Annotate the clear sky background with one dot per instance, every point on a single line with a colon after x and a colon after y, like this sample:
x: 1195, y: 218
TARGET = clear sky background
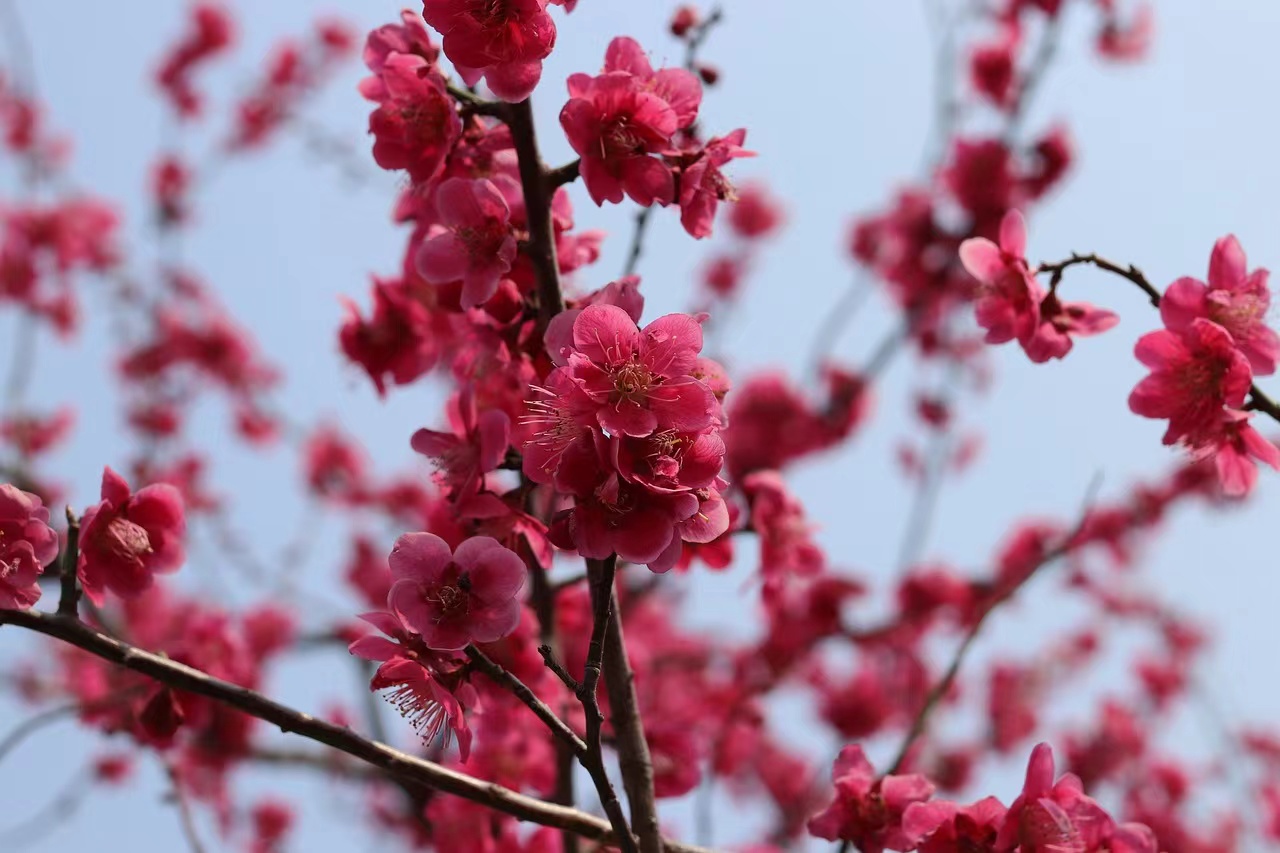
x: 1173, y: 153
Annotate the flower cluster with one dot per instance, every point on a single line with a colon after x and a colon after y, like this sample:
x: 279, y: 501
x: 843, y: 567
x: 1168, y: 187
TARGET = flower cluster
x: 1012, y: 306
x: 896, y: 813
x: 633, y: 128
x: 1203, y: 361
x: 27, y: 545
x: 628, y: 424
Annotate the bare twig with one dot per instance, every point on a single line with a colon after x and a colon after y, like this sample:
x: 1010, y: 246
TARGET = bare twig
x: 185, y: 813
x: 521, y: 691
x: 943, y: 685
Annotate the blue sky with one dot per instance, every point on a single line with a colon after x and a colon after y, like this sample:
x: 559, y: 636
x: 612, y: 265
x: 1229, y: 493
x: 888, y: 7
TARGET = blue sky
x: 1173, y: 153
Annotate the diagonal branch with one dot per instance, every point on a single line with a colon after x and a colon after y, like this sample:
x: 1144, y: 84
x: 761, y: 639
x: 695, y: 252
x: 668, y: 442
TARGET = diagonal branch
x: 399, y: 764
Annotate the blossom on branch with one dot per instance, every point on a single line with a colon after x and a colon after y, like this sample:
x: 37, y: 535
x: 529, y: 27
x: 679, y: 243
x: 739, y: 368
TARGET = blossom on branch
x: 130, y: 537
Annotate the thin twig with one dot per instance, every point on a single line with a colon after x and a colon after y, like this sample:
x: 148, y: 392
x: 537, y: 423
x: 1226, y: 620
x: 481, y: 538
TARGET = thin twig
x: 33, y: 724
x: 521, y: 691
x: 940, y: 688
x: 637, y: 241
x: 185, y: 813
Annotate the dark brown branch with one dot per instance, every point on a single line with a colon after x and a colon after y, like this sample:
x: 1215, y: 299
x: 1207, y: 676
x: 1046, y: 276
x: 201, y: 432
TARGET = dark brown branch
x: 398, y: 764
x: 633, y: 749
x: 1258, y: 400
x: 69, y: 603
x: 537, y: 189
x: 473, y: 104
x: 521, y: 691
x: 566, y: 174
x: 601, y: 573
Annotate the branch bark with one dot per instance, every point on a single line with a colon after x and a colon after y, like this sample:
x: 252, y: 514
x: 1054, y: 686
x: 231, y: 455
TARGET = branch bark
x: 537, y: 187
x: 633, y: 750
x: 398, y: 764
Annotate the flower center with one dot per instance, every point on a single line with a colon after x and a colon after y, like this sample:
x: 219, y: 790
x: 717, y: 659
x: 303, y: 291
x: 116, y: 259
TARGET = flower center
x: 620, y: 139
x: 632, y: 381
x: 127, y: 539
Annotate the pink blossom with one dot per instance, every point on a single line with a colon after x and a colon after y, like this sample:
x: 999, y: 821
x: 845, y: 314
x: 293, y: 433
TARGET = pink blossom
x: 211, y: 31
x: 1194, y: 374
x: 756, y: 213
x: 703, y: 186
x: 1234, y: 450
x: 1049, y: 817
x: 615, y: 124
x: 993, y: 69
x: 1126, y: 41
x: 128, y: 538
x: 676, y: 86
x: 476, y: 243
x: 454, y: 598
x: 1060, y: 322
x: 640, y: 379
x: 27, y: 545
x: 505, y: 41
x: 943, y: 827
x: 410, y: 36
x: 868, y: 810
x: 396, y: 342
x: 1008, y: 302
x: 1235, y: 299
x: 476, y: 446
x: 425, y: 685
x: 415, y: 124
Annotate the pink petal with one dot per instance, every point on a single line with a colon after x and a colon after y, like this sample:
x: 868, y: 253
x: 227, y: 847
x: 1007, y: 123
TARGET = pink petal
x: 625, y: 54
x: 374, y: 647
x: 1183, y: 301
x: 442, y: 259
x: 982, y: 259
x: 1228, y: 266
x: 1013, y: 234
x: 494, y: 429
x: 671, y: 344
x: 606, y: 334
x: 495, y: 622
x: 496, y: 573
x: 114, y: 488
x: 420, y: 557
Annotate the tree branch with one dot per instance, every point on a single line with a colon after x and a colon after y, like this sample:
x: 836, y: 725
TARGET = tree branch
x: 633, y: 750
x: 521, y: 691
x: 69, y: 603
x: 398, y: 764
x: 537, y: 187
